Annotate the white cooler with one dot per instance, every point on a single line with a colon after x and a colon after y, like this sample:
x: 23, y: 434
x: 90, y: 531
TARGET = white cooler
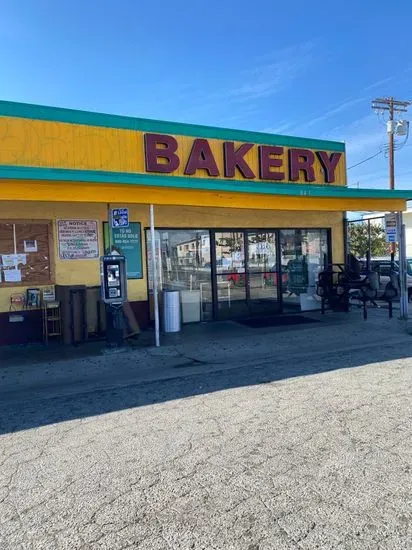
x: 308, y: 302
x: 190, y: 300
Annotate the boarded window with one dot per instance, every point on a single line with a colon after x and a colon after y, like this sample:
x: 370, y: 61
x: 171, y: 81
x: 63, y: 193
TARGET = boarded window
x: 26, y: 253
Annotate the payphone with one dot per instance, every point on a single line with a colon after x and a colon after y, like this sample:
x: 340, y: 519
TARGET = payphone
x: 113, y: 278
x: 114, y: 294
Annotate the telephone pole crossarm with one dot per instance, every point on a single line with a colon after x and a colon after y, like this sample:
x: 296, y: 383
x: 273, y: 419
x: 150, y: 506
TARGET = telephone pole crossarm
x: 393, y: 106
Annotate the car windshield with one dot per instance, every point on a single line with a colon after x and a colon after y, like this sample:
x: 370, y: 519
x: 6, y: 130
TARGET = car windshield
x: 409, y: 266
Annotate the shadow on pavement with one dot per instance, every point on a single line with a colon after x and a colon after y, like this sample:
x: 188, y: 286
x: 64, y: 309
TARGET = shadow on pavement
x: 44, y: 411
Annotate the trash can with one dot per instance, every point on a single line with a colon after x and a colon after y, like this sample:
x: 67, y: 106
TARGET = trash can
x: 171, y: 311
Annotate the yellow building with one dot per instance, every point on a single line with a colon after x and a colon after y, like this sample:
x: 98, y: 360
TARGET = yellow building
x: 244, y: 220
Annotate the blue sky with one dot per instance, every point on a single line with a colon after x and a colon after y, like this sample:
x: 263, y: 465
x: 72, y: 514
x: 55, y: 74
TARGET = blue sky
x: 298, y: 68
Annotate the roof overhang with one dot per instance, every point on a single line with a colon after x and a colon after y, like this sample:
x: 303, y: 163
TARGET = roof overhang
x: 46, y: 184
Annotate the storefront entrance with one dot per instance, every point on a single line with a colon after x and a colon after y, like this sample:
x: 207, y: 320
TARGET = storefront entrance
x: 239, y: 273
x: 246, y: 273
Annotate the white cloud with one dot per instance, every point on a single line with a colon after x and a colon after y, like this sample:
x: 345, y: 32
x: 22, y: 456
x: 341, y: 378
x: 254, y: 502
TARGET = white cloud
x: 364, y: 135
x: 283, y: 126
x: 334, y: 111
x: 264, y: 80
x: 351, y: 101
x: 228, y: 105
x: 367, y: 142
x: 379, y: 83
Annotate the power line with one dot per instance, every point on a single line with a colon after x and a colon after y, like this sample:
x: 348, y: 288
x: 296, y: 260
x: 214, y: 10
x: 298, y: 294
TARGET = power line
x: 366, y: 160
x: 393, y: 106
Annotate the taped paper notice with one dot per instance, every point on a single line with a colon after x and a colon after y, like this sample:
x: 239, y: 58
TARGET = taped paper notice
x: 78, y: 239
x: 13, y: 260
x: 12, y: 275
x: 30, y: 246
x: 8, y: 260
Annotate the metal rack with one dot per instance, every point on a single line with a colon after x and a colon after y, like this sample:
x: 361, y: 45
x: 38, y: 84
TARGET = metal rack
x: 52, y: 322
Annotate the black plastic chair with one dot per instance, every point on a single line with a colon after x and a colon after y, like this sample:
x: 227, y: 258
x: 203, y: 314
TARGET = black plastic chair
x: 331, y: 288
x: 369, y: 292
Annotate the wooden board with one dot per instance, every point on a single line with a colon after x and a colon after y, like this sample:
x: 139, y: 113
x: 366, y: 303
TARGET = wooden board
x: 38, y: 269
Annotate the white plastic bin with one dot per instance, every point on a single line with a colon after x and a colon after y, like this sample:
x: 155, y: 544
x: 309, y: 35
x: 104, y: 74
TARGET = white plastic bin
x: 308, y: 302
x: 190, y: 306
x: 171, y: 311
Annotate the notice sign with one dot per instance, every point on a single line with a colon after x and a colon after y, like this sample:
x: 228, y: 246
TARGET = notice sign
x: 127, y: 242
x: 391, y: 228
x: 78, y: 239
x: 120, y: 217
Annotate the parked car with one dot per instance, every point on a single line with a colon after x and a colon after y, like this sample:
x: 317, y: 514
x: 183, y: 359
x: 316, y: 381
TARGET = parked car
x: 383, y: 266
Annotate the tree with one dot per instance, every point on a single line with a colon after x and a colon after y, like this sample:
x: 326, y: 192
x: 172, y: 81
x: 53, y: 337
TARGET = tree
x: 359, y: 240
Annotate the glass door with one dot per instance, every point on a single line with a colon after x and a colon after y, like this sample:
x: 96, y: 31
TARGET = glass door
x: 303, y: 256
x: 262, y: 273
x: 230, y: 277
x: 246, y: 274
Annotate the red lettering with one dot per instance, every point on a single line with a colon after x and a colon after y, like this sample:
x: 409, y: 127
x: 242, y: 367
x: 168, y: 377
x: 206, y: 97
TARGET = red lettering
x: 329, y: 164
x: 301, y: 160
x: 201, y: 158
x: 159, y: 146
x: 234, y: 159
x: 266, y: 161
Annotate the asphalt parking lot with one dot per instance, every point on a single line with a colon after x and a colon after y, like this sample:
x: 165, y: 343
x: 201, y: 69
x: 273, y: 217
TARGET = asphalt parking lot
x: 241, y: 462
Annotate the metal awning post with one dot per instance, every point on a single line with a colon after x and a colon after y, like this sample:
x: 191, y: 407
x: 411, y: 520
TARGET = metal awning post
x: 154, y: 272
x: 402, y: 269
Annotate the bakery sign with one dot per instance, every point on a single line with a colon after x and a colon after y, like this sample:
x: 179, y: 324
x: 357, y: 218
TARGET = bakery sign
x: 166, y: 154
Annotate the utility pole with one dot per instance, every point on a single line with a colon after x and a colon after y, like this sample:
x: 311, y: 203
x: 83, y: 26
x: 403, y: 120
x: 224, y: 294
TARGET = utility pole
x: 398, y: 127
x: 393, y: 106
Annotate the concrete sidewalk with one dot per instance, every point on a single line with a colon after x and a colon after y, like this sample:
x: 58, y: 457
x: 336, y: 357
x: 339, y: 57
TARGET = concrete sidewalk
x: 208, y: 348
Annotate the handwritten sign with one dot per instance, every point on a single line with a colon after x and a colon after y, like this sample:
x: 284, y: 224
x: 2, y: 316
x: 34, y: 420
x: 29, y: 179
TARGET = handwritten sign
x: 78, y: 239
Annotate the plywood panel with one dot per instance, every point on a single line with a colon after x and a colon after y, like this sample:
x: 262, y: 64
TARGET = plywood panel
x: 6, y: 238
x: 38, y: 269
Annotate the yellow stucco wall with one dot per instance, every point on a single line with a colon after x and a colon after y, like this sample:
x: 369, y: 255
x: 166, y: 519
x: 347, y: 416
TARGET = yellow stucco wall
x: 87, y: 271
x: 47, y: 144
x: 83, y: 192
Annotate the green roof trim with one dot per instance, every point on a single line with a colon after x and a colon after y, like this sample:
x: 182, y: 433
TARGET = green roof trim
x: 205, y: 184
x: 71, y: 116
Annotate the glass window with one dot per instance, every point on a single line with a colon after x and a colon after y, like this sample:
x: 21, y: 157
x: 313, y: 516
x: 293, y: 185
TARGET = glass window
x: 230, y: 252
x: 184, y: 259
x: 261, y: 252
